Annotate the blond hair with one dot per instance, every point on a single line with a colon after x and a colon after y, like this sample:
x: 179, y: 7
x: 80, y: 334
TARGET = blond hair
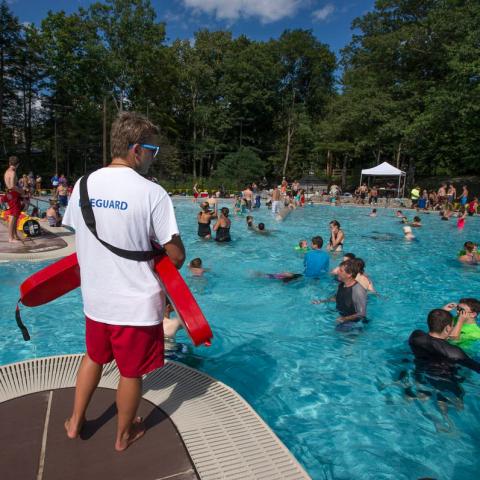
x: 130, y: 128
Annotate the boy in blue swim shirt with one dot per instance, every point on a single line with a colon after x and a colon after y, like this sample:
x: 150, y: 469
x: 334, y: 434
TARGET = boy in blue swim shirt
x: 316, y: 261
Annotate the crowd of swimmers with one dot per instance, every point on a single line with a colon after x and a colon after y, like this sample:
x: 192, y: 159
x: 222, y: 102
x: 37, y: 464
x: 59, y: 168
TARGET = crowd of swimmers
x: 441, y: 347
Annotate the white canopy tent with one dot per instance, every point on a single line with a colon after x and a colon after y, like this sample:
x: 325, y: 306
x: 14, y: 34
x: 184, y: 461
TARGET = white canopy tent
x: 386, y: 170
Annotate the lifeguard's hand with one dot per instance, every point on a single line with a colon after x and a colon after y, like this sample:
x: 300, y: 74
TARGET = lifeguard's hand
x: 316, y: 302
x: 340, y: 319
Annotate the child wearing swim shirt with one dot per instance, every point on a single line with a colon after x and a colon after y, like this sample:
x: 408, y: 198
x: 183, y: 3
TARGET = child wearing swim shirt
x: 466, y: 330
x: 302, y: 246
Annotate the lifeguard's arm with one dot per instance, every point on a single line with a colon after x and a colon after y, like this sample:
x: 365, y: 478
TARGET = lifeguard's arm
x: 215, y: 227
x: 175, y: 251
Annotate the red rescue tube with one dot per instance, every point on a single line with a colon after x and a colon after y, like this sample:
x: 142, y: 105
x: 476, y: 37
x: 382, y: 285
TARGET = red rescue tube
x: 63, y: 276
x: 51, y: 282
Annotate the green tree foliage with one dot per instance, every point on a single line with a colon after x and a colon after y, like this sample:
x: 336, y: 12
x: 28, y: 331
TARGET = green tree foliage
x: 9, y: 44
x: 411, y: 86
x: 409, y: 92
x: 243, y: 166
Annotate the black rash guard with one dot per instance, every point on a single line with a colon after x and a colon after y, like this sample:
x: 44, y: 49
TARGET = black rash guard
x: 437, y: 356
x: 351, y: 300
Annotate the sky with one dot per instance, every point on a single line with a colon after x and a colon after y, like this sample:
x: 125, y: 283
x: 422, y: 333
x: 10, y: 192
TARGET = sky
x: 330, y: 20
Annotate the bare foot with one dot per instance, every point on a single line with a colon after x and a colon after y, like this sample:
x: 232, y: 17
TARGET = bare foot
x: 137, y: 430
x: 15, y: 240
x: 73, y: 429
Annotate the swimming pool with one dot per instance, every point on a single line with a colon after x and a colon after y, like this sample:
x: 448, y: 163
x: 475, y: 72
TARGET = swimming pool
x: 336, y: 400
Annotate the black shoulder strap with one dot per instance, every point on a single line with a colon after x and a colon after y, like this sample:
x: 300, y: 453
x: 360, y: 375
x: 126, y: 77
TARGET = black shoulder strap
x: 89, y: 217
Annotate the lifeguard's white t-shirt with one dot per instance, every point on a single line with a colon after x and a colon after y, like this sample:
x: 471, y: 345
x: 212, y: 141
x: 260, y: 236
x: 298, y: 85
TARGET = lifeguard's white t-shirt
x: 129, y: 211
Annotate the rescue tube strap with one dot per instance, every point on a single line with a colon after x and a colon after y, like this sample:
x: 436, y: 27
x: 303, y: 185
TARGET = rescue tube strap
x: 21, y: 325
x: 89, y: 217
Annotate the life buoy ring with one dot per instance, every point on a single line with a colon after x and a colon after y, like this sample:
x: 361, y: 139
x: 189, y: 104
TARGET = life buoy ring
x: 63, y: 276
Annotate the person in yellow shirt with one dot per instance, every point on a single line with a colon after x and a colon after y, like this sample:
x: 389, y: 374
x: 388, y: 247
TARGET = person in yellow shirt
x: 415, y: 195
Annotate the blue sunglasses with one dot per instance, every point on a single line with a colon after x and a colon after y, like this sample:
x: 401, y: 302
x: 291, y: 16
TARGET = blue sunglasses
x: 154, y: 148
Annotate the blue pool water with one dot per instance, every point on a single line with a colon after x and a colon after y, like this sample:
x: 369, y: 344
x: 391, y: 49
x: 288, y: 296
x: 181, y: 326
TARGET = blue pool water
x: 336, y: 400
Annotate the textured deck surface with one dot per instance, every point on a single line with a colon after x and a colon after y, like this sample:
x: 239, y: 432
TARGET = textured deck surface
x: 33, y: 427
x: 224, y: 437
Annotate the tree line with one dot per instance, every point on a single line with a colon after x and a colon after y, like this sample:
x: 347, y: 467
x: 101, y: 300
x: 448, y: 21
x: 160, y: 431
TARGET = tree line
x: 406, y: 89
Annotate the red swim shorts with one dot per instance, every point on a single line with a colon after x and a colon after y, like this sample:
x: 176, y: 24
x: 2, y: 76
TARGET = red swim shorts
x: 137, y: 350
x: 14, y: 200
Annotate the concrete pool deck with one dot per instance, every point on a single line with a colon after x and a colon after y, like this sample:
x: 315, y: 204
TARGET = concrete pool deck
x: 53, y: 243
x: 197, y: 428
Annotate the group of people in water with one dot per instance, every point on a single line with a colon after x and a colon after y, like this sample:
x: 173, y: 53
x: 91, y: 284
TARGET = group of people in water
x: 222, y: 224
x: 441, y: 347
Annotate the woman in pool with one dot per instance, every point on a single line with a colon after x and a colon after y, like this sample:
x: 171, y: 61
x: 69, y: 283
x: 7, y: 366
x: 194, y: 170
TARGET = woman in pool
x: 360, y: 277
x: 204, y: 218
x: 222, y: 227
x: 337, y: 237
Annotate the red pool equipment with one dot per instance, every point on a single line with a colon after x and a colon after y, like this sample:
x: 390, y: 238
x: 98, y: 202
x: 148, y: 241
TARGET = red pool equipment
x: 63, y: 276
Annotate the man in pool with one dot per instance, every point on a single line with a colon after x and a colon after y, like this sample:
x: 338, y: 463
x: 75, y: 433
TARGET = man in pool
x: 123, y: 299
x: 346, y: 257
x: 351, y: 297
x: 276, y: 203
x: 433, y: 354
x: 316, y: 261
